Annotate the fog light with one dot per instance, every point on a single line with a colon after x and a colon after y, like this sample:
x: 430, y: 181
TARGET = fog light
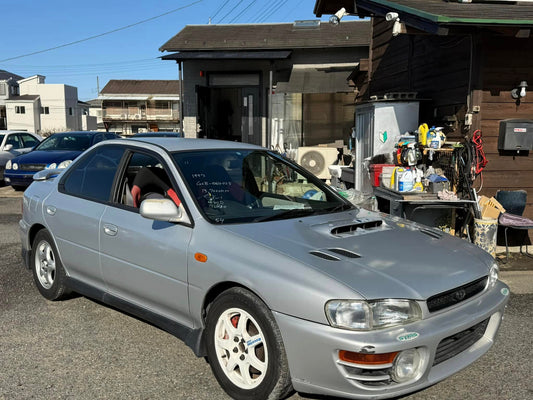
x: 407, y: 365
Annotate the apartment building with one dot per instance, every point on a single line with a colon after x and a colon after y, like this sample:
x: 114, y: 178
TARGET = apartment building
x: 133, y: 106
x: 47, y: 108
x: 8, y: 88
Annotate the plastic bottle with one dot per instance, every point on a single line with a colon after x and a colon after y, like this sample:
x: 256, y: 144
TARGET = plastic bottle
x: 395, y: 177
x: 406, y: 182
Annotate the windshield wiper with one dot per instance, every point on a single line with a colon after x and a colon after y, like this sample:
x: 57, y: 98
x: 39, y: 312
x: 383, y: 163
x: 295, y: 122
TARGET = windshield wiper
x: 292, y: 213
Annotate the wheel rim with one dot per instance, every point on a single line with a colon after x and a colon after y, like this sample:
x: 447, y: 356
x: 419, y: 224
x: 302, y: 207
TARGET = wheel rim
x: 45, y: 265
x: 241, y: 348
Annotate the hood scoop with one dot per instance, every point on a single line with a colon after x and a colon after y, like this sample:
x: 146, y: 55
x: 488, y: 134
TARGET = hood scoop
x: 432, y: 233
x: 326, y: 254
x: 353, y: 228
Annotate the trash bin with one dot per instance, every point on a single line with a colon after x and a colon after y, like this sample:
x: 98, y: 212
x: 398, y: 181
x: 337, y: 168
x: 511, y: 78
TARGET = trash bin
x: 485, y: 234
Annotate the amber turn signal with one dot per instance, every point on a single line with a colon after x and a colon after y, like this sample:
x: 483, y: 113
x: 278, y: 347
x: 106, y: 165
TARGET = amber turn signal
x: 366, y: 358
x: 200, y: 257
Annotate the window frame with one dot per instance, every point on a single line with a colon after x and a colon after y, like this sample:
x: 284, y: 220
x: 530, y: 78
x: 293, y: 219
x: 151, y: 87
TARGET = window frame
x: 19, y: 140
x: 31, y: 136
x: 72, y: 168
x: 128, y: 152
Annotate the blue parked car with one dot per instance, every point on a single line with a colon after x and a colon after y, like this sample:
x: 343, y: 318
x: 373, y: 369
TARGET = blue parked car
x: 57, y: 151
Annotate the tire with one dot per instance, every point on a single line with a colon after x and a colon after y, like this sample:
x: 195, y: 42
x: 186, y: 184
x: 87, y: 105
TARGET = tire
x: 242, y: 335
x: 18, y: 188
x: 48, y: 272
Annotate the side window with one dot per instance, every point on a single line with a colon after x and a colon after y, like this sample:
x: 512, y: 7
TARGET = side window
x: 14, y: 139
x: 29, y: 140
x: 145, y: 178
x: 92, y: 177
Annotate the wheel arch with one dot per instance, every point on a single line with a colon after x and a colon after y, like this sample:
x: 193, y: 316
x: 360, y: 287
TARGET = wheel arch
x: 221, y: 287
x: 32, y: 232
x: 198, y: 344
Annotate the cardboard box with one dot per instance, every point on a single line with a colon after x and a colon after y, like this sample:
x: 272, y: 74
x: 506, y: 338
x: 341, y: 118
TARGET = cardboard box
x: 490, y: 208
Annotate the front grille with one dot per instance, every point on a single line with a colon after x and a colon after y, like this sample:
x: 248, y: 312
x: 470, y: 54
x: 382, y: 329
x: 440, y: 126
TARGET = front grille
x: 457, y: 295
x: 32, y: 167
x: 455, y: 344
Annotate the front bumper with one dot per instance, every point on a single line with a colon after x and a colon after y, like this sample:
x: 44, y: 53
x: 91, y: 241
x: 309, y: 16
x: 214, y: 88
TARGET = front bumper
x: 312, y: 349
x: 18, y: 178
x: 25, y: 243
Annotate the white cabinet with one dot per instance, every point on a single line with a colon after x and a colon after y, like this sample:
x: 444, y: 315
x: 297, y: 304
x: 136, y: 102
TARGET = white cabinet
x: 378, y: 126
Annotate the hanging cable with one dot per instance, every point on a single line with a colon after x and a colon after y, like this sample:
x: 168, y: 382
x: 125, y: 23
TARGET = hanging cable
x: 102, y: 34
x: 480, y: 159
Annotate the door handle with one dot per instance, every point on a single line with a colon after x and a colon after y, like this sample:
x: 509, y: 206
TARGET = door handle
x: 110, y: 230
x: 51, y: 210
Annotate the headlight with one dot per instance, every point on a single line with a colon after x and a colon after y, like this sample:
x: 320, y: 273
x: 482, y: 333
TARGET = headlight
x: 64, y: 164
x: 368, y: 315
x: 51, y: 166
x: 8, y: 164
x: 15, y: 166
x: 493, y: 275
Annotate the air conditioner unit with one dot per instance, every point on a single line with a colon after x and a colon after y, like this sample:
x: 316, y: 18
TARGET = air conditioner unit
x: 317, y: 159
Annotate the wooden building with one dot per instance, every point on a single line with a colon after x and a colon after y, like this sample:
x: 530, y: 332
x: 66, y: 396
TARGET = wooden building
x: 463, y: 60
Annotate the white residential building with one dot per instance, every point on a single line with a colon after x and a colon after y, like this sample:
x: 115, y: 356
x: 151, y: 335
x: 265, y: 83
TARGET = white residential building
x: 46, y: 108
x: 8, y: 88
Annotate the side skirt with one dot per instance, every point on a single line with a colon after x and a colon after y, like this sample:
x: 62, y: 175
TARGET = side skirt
x: 191, y: 337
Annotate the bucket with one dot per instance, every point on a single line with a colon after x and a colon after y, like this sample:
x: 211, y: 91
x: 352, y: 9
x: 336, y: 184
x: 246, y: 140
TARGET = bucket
x: 485, y: 233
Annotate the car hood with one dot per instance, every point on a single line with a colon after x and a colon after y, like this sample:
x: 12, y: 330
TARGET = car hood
x: 46, y: 156
x: 375, y: 255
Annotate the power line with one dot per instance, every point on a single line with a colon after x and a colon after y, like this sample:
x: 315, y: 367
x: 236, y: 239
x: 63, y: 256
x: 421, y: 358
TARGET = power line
x: 102, y: 34
x: 277, y: 7
x: 272, y: 6
x: 230, y: 11
x: 243, y: 11
x: 219, y: 9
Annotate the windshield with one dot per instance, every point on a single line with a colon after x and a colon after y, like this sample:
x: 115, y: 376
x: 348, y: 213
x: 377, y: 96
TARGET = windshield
x: 66, y: 142
x: 235, y: 186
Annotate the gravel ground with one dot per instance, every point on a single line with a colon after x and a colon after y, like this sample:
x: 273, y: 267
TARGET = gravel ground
x: 79, y: 349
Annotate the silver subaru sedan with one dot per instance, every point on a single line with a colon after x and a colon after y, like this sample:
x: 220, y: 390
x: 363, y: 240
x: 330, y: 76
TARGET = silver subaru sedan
x: 262, y: 268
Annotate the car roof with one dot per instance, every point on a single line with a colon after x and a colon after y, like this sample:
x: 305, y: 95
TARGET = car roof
x: 78, y: 133
x: 157, y: 134
x: 4, y: 131
x: 180, y: 144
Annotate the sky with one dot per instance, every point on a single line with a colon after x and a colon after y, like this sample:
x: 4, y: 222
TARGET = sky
x: 87, y: 43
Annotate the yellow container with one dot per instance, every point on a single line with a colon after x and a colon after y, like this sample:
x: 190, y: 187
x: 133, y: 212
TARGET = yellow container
x: 423, y: 134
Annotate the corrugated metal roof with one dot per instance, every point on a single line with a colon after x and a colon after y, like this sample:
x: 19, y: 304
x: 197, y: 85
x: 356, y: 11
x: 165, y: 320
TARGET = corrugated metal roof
x: 441, y: 11
x: 269, y: 36
x: 149, y: 87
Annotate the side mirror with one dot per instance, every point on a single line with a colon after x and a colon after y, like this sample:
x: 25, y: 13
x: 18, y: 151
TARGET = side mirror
x: 163, y: 210
x: 8, y: 147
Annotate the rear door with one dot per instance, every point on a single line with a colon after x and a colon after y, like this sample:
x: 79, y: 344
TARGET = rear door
x: 144, y: 261
x: 73, y: 212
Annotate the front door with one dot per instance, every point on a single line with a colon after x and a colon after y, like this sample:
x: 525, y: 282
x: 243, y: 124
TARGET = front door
x: 145, y: 261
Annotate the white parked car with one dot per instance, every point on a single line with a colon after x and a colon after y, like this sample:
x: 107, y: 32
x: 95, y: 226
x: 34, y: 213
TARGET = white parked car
x: 14, y: 143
